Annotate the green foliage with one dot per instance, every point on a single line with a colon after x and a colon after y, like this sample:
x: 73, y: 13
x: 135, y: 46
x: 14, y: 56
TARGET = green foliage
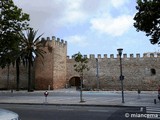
x: 148, y: 19
x: 30, y: 47
x: 12, y: 21
x: 81, y: 63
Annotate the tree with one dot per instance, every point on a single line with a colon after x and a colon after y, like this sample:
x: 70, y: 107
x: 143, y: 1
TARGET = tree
x: 148, y: 19
x: 30, y: 48
x: 80, y: 67
x: 12, y: 21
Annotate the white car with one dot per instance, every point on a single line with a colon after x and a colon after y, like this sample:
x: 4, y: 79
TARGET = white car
x: 8, y: 115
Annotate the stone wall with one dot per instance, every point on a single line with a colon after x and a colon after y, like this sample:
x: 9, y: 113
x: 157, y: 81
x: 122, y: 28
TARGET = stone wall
x: 44, y: 68
x: 59, y: 63
x: 140, y: 72
x: 52, y: 73
x: 8, y: 81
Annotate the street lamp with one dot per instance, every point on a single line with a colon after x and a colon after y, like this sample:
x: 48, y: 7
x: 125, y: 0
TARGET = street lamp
x: 97, y: 75
x: 121, y: 77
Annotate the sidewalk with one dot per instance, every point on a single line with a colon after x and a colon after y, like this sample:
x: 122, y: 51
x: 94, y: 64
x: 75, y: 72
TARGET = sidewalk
x: 72, y: 97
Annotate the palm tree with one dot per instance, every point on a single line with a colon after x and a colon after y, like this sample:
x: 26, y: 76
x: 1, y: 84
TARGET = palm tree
x: 30, y: 47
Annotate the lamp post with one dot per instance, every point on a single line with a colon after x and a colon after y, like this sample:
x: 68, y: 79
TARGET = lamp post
x: 121, y: 77
x: 97, y: 75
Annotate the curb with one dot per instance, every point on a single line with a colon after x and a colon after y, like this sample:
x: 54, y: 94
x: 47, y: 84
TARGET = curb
x: 87, y: 105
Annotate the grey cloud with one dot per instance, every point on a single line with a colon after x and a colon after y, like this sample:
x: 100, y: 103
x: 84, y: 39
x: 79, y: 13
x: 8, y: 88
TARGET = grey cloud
x: 42, y: 12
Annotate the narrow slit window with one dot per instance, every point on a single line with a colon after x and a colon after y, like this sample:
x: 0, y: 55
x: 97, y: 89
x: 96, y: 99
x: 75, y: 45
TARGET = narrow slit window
x: 153, y: 71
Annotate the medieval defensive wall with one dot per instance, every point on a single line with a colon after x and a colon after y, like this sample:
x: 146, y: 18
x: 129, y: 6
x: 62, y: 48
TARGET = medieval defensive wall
x: 140, y: 72
x: 56, y: 70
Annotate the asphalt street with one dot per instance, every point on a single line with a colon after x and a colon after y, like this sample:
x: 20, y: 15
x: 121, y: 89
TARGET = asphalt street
x: 65, y: 104
x: 52, y: 112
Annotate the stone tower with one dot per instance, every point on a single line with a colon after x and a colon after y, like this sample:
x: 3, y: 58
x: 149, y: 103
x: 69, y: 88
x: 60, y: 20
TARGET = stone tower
x: 50, y: 71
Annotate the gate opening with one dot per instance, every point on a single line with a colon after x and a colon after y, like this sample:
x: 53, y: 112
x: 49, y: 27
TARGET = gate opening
x: 75, y: 81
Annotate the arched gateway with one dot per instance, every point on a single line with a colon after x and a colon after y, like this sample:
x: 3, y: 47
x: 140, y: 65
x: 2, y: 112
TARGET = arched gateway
x: 74, y: 81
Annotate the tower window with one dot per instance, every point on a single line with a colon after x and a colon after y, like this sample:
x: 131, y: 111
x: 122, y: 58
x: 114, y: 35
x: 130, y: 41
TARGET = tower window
x: 153, y: 71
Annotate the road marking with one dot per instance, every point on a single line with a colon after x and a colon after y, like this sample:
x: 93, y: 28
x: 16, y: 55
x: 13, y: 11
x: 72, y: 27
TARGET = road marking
x: 65, y: 109
x: 152, y: 110
x: 98, y: 110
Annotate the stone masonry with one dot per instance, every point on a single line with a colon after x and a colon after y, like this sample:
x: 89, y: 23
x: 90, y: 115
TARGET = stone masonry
x: 56, y: 71
x: 140, y: 72
x: 50, y: 72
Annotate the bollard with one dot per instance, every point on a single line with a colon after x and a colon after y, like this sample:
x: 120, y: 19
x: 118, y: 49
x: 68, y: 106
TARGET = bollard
x: 45, y: 95
x: 155, y: 102
x: 141, y: 109
x: 139, y: 91
x: 11, y: 90
x: 49, y: 87
x: 66, y: 86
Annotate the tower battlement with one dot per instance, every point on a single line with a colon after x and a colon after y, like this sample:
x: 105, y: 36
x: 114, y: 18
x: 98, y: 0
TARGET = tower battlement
x: 111, y: 56
x: 54, y: 41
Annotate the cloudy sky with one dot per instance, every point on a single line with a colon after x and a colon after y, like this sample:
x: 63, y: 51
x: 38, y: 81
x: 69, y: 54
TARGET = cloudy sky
x: 89, y: 26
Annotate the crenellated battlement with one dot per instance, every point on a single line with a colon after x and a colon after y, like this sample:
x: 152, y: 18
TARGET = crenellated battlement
x: 58, y: 41
x: 131, y: 56
x: 54, y: 71
x: 54, y: 41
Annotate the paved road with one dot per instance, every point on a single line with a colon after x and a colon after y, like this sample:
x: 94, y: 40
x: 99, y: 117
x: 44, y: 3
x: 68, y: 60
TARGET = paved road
x: 64, y: 105
x: 52, y: 112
